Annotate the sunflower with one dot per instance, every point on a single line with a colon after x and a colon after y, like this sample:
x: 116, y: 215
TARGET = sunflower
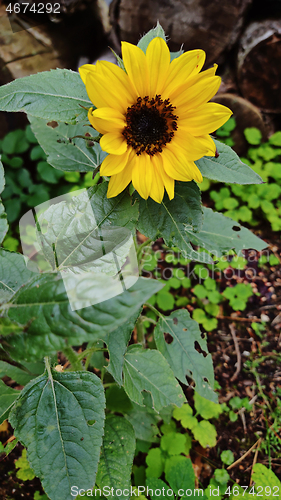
x: 155, y: 117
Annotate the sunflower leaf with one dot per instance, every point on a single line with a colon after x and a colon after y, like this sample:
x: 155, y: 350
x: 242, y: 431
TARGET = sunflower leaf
x: 58, y: 94
x: 227, y: 167
x: 219, y: 234
x: 153, y: 33
x: 64, y: 150
x: 59, y: 418
x: 117, y: 453
x: 181, y: 353
x: 147, y: 370
x: 43, y: 305
x: 172, y: 219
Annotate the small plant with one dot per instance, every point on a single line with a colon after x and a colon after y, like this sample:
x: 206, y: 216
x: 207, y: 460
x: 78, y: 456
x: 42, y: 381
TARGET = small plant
x: 238, y: 295
x: 246, y: 203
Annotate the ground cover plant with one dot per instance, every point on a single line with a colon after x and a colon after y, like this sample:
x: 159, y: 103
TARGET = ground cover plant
x: 252, y: 204
x: 86, y: 379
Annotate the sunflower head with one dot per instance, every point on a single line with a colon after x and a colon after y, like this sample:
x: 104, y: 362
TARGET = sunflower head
x: 154, y: 116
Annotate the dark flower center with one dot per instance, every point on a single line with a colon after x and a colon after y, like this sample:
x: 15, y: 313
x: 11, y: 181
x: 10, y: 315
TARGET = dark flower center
x: 150, y: 125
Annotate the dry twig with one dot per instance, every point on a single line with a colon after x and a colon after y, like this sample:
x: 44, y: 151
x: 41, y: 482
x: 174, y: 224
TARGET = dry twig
x: 238, y: 368
x: 245, y: 455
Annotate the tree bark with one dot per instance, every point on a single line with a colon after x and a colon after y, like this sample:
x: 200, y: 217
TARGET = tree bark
x: 259, y: 68
x: 213, y: 26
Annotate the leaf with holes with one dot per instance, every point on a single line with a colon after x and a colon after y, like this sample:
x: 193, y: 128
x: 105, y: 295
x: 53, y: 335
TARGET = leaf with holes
x: 227, y: 167
x: 149, y: 371
x: 58, y: 94
x: 173, y: 219
x: 59, y: 418
x: 117, y: 454
x: 219, y: 234
x: 64, y: 149
x: 187, y: 354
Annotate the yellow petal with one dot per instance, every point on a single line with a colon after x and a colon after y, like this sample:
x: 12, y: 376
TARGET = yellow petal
x: 97, y: 124
x: 182, y: 68
x: 195, y: 96
x: 120, y: 181
x: 142, y: 176
x: 84, y: 70
x: 178, y: 169
x: 186, y: 145
x: 205, y: 119
x: 208, y: 143
x: 107, y: 120
x: 158, y: 61
x: 157, y: 186
x: 113, y: 143
x: 114, y: 164
x: 136, y: 66
x: 116, y: 79
x: 168, y: 182
x: 104, y: 95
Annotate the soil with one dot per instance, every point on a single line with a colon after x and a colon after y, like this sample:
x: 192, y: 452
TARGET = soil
x: 262, y: 352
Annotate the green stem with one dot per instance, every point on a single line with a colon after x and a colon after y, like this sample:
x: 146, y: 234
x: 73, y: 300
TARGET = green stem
x: 73, y: 358
x: 140, y: 249
x: 152, y: 308
x: 140, y: 331
x: 96, y: 179
x: 146, y: 318
x: 48, y: 366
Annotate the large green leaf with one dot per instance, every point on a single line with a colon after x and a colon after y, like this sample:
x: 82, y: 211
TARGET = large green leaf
x: 80, y: 241
x: 44, y: 306
x: 172, y: 219
x: 117, y: 454
x: 220, y: 234
x: 8, y: 397
x: 13, y: 273
x: 58, y: 94
x: 64, y: 150
x: 181, y: 353
x: 118, y: 211
x: 117, y: 342
x: 59, y: 418
x: 147, y: 370
x: 227, y: 167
